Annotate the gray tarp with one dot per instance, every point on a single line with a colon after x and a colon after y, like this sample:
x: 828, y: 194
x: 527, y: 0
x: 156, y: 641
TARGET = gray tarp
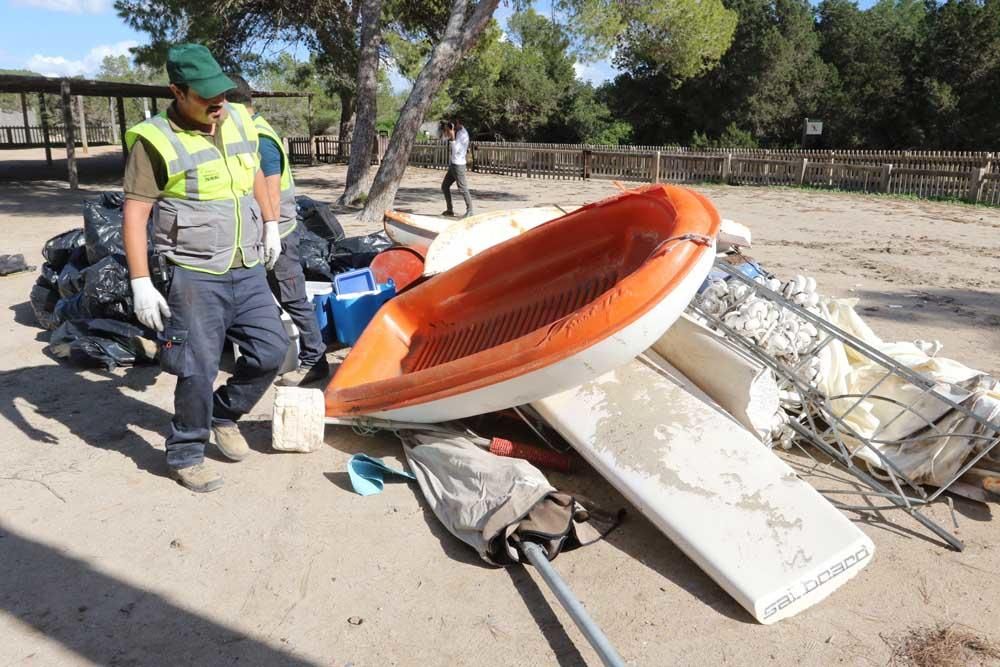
x: 484, y: 499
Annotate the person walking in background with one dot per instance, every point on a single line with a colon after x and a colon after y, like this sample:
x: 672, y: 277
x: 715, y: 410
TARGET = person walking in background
x: 458, y: 139
x: 287, y: 281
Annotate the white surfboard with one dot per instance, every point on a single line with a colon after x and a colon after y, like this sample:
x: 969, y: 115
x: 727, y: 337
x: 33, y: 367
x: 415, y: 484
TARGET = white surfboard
x: 737, y: 510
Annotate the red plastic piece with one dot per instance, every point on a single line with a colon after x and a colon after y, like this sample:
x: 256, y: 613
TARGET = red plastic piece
x: 401, y: 263
x: 543, y: 457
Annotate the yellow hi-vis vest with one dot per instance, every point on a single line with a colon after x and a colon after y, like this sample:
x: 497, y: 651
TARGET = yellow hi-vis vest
x: 288, y: 217
x: 206, y: 210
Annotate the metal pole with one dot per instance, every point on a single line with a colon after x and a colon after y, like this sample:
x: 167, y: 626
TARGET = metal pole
x: 609, y: 656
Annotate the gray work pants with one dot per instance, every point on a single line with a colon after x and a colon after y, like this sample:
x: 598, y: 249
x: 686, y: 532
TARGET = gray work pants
x: 205, y: 311
x: 456, y: 174
x: 288, y: 284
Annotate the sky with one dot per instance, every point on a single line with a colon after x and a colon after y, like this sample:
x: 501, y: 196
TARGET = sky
x: 78, y: 34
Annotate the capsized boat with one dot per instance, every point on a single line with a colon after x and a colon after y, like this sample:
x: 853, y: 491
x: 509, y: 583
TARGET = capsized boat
x: 468, y: 237
x: 414, y: 230
x: 420, y: 231
x: 549, y: 309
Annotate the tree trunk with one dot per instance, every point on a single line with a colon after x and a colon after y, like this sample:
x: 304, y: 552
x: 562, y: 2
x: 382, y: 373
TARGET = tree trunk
x: 459, y: 35
x: 346, y: 121
x: 364, y: 129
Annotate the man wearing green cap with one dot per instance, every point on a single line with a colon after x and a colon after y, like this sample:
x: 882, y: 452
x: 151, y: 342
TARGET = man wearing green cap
x: 195, y: 169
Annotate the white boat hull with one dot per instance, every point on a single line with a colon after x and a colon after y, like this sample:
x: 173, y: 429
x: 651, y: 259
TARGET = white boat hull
x: 468, y: 237
x: 415, y: 231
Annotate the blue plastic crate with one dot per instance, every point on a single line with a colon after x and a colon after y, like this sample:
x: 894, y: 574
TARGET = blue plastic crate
x: 358, y: 281
x: 324, y: 316
x: 351, y: 314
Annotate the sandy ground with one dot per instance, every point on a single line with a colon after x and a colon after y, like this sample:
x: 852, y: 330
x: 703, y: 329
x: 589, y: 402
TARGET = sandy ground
x: 107, y: 561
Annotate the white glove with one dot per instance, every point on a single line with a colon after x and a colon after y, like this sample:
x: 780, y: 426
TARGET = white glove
x: 272, y: 244
x: 149, y: 305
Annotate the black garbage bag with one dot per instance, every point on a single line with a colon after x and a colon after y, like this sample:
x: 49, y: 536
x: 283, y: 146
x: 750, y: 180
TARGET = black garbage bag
x: 106, y: 289
x: 317, y: 217
x: 113, y: 199
x: 313, y: 253
x: 357, y: 252
x: 100, y: 343
x: 71, y: 276
x: 13, y: 264
x: 43, y: 304
x: 58, y: 249
x: 71, y: 309
x: 102, y: 226
x: 105, y: 293
x: 48, y: 277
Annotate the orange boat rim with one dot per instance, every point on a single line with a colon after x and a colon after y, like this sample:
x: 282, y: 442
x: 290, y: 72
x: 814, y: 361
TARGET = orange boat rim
x: 542, y: 312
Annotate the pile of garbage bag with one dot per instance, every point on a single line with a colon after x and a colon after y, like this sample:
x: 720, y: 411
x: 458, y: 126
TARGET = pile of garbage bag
x: 85, y: 279
x: 324, y: 249
x: 83, y: 294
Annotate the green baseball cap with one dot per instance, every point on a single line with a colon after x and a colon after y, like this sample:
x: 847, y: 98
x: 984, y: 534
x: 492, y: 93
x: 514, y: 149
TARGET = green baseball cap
x: 194, y: 65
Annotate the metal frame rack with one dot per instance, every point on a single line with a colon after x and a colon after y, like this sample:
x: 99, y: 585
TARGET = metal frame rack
x: 827, y: 428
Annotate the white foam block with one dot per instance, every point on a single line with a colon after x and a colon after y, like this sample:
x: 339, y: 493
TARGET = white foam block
x: 298, y: 420
x: 737, y: 510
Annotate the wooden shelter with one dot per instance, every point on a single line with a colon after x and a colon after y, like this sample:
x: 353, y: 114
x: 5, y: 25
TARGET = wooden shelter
x: 66, y: 88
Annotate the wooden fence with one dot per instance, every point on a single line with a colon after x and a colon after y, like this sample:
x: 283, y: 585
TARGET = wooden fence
x: 972, y: 176
x: 328, y: 149
x: 18, y: 136
x: 968, y: 176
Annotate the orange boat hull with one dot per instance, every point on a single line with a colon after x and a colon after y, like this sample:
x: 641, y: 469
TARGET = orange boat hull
x: 534, y: 315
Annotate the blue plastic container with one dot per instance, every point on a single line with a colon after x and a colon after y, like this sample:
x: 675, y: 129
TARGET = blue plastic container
x: 324, y: 317
x: 358, y: 281
x: 351, y: 314
x: 749, y: 268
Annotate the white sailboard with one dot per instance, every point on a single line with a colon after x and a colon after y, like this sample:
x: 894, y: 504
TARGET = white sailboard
x: 736, y: 509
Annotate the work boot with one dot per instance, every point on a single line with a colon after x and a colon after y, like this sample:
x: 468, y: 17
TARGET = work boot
x: 449, y: 213
x: 199, y: 478
x: 304, y: 375
x: 231, y: 442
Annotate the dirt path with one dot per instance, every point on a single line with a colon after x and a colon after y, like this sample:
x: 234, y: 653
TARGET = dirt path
x: 106, y: 561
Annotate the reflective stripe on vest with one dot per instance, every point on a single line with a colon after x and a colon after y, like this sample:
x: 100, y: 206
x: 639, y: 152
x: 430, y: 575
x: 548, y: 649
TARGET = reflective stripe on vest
x: 206, y: 210
x: 288, y: 213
